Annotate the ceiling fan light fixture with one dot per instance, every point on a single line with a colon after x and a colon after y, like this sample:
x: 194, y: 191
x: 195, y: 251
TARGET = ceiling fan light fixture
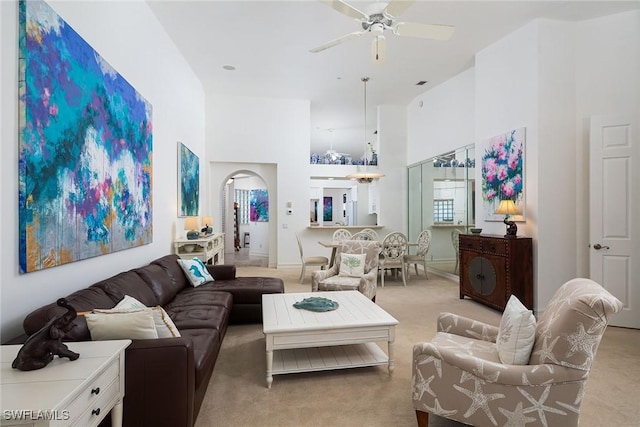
x: 378, y: 50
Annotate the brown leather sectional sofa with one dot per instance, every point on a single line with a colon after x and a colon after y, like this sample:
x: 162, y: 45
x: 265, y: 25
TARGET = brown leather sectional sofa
x: 166, y: 379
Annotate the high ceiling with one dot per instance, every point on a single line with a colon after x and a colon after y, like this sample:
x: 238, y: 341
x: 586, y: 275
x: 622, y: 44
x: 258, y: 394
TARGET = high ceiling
x: 268, y: 43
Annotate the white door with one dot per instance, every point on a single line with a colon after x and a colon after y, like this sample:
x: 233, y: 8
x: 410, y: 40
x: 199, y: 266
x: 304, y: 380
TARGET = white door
x: 614, y: 211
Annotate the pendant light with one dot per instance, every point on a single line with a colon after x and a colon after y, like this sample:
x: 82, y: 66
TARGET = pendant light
x: 365, y: 177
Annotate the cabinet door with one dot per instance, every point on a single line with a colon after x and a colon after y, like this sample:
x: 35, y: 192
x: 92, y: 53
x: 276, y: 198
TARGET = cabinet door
x: 483, y: 278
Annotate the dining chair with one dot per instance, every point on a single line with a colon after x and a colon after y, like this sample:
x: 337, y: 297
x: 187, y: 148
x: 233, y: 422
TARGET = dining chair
x: 455, y: 240
x: 366, y: 234
x: 341, y: 234
x: 394, y: 247
x: 321, y: 261
x: 420, y: 257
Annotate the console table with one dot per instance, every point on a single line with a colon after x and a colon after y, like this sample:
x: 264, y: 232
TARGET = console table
x: 209, y: 249
x: 494, y: 267
x: 65, y: 393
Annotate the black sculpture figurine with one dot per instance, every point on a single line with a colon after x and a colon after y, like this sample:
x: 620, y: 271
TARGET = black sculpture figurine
x: 39, y: 349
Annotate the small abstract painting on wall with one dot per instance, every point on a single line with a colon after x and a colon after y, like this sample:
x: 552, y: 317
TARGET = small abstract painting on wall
x: 503, y: 173
x: 327, y: 208
x: 188, y: 182
x: 259, y: 206
x: 85, y: 148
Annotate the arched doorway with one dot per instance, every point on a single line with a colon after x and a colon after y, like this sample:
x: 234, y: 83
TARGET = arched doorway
x: 245, y: 220
x: 253, y: 240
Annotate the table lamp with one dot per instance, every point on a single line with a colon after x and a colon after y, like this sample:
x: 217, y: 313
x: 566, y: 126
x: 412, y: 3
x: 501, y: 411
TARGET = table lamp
x: 206, y: 225
x: 191, y: 225
x: 508, y: 208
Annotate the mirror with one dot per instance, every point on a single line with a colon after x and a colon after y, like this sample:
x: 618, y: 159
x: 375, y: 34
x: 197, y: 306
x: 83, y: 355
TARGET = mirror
x: 340, y: 202
x: 441, y: 199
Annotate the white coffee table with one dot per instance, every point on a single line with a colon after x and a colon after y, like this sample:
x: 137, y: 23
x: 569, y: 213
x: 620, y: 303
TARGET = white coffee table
x: 300, y: 340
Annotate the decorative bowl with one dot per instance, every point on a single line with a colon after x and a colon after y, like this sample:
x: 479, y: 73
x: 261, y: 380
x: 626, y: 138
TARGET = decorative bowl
x: 189, y: 248
x: 476, y: 230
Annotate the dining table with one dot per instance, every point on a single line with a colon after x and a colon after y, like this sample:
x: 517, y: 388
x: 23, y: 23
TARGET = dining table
x: 334, y: 244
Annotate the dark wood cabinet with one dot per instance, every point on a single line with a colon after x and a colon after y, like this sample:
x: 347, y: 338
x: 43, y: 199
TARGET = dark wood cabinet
x: 494, y: 267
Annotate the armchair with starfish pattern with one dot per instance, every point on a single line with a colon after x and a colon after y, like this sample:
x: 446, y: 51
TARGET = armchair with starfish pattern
x: 459, y: 375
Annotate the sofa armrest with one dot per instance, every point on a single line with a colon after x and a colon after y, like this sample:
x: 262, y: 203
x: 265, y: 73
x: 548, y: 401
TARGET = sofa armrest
x: 222, y: 271
x: 466, y: 327
x: 425, y: 353
x: 318, y: 276
x: 159, y: 382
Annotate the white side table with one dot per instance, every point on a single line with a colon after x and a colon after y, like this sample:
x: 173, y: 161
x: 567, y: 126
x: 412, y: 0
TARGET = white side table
x: 209, y: 248
x: 65, y: 393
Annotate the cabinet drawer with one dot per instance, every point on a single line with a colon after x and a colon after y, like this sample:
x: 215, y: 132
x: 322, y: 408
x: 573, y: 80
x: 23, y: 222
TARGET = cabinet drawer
x: 96, y: 390
x: 495, y: 247
x: 100, y: 407
x: 471, y: 244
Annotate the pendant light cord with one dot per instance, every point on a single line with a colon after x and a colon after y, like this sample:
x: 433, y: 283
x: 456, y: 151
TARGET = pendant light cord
x: 366, y: 161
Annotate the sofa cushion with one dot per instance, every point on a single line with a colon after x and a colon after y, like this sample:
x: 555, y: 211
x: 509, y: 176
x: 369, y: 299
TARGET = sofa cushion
x: 82, y: 300
x: 160, y: 283
x: 245, y: 290
x: 206, y: 346
x: 128, y: 283
x: 169, y: 263
x: 200, y: 317
x: 163, y: 323
x: 122, y: 325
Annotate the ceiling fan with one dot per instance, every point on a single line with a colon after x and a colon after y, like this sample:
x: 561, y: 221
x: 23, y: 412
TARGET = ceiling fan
x: 331, y: 152
x: 380, y: 18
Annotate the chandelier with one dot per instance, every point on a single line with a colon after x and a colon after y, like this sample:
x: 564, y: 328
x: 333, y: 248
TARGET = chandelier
x: 365, y: 177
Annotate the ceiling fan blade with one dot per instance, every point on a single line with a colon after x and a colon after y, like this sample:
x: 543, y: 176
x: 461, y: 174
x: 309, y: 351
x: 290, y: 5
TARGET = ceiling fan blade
x: 396, y: 7
x: 425, y: 31
x: 345, y: 9
x: 337, y: 41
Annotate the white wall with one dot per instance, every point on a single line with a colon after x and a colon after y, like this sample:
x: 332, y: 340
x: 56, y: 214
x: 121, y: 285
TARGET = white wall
x: 256, y: 133
x: 392, y: 140
x: 445, y: 121
x: 607, y: 81
x: 549, y: 77
x: 130, y: 38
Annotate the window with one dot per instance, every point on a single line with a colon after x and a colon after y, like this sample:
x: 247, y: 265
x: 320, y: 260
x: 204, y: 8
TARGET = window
x: 242, y: 198
x: 443, y: 210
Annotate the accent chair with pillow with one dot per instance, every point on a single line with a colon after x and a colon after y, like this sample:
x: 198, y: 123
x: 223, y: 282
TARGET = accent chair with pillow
x: 520, y: 373
x: 355, y: 269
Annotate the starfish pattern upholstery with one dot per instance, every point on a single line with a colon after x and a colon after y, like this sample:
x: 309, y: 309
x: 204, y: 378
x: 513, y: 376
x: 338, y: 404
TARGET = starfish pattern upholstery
x: 331, y: 280
x: 459, y: 375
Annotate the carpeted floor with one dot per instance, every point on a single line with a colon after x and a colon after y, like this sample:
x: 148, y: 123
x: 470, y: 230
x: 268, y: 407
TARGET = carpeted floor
x: 237, y: 394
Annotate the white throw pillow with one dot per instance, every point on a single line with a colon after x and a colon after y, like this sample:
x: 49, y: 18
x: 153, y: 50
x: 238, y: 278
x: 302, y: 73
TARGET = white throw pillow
x: 164, y: 325
x: 196, y: 271
x: 516, y: 334
x: 122, y: 325
x: 352, y: 265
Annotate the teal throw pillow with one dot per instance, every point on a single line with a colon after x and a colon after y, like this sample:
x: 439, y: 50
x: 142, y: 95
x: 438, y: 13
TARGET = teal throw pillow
x: 196, y: 271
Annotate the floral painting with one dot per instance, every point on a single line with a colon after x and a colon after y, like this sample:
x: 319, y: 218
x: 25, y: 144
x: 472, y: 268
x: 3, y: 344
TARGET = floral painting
x: 188, y: 181
x: 85, y: 148
x: 503, y: 173
x: 259, y: 206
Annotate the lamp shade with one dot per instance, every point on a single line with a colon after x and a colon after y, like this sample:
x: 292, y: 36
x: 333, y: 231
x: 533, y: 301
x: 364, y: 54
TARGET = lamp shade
x: 191, y: 223
x: 507, y: 207
x: 207, y: 220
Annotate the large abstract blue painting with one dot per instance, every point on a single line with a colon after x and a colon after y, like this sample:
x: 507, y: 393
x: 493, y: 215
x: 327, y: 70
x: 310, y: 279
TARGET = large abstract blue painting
x: 189, y: 181
x: 85, y: 148
x: 259, y: 206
